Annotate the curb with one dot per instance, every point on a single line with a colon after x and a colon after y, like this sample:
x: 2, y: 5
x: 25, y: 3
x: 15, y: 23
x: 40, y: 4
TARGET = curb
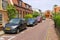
x: 1, y: 33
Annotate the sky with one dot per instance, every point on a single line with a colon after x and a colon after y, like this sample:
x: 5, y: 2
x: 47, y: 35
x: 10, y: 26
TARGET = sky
x: 43, y: 4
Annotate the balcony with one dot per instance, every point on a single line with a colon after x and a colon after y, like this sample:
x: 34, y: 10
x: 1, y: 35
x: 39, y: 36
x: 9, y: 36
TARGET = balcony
x: 22, y: 7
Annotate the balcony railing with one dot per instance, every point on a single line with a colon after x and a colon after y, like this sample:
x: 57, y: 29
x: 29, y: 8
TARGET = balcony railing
x: 23, y: 7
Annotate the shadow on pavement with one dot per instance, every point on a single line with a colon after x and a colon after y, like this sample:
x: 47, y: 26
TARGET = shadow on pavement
x: 17, y: 33
x: 30, y: 26
x: 57, y: 32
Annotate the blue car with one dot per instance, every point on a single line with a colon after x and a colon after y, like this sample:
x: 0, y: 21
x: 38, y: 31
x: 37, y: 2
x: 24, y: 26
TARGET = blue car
x: 32, y: 21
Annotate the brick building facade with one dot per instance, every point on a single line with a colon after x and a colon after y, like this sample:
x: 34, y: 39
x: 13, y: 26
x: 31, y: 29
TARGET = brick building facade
x: 22, y: 8
x: 48, y: 14
x: 56, y: 9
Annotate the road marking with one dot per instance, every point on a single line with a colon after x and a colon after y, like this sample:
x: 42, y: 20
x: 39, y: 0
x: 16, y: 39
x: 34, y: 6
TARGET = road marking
x: 18, y: 34
x: 6, y: 36
x: 11, y: 38
x: 22, y: 32
x: 1, y: 38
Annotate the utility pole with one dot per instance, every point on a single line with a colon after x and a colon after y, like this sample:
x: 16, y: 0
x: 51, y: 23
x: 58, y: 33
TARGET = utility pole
x: 40, y: 12
x: 55, y: 16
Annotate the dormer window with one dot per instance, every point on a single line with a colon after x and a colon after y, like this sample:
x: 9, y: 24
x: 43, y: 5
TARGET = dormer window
x: 4, y: 4
x: 27, y: 6
x: 20, y: 3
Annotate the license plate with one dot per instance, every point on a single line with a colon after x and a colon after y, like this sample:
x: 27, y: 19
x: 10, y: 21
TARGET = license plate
x: 7, y: 28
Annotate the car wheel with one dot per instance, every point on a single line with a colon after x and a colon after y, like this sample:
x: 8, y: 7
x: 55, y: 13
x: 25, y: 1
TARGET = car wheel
x: 5, y: 32
x: 25, y: 26
x: 33, y: 24
x: 36, y: 23
x: 17, y: 31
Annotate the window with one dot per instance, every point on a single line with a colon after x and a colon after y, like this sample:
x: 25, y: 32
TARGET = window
x: 20, y: 3
x: 15, y: 21
x: 23, y: 13
x: 30, y: 7
x: 20, y: 13
x: 26, y: 12
x: 0, y: 18
x: 4, y: 4
x: 27, y: 6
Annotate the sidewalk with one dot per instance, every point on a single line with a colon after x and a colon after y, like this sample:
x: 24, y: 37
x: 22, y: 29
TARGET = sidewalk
x: 51, y: 35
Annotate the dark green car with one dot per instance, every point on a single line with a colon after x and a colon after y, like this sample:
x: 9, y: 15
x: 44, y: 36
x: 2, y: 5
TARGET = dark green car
x: 15, y: 25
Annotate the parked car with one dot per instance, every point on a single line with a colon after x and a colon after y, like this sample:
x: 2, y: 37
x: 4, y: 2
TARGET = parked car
x: 31, y: 21
x: 39, y: 19
x: 15, y: 25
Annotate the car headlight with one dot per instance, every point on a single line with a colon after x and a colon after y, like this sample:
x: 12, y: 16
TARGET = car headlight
x: 13, y: 27
x: 31, y: 22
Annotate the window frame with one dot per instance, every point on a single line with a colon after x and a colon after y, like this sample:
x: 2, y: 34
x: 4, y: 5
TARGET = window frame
x: 4, y: 4
x: 20, y: 3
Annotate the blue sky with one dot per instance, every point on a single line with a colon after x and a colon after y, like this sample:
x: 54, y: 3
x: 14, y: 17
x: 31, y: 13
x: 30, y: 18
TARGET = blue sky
x: 43, y: 4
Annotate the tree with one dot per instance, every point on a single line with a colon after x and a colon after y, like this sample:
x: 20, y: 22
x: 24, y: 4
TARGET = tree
x: 55, y: 5
x: 12, y: 12
x: 28, y: 16
x: 35, y: 14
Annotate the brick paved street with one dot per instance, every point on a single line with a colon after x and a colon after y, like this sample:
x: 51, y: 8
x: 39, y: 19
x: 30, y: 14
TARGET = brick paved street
x: 42, y: 31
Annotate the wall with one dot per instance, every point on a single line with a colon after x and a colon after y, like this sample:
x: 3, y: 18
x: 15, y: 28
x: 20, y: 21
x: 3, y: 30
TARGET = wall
x: 57, y: 9
x: 0, y: 4
x: 4, y: 17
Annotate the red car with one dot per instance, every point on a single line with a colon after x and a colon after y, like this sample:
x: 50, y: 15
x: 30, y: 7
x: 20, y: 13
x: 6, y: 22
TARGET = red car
x: 39, y: 19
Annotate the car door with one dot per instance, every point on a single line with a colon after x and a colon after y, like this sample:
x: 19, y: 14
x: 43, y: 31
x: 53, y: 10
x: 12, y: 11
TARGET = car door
x: 22, y: 24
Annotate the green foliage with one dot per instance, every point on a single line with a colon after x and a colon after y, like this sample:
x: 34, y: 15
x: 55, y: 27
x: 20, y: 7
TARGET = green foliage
x: 55, y: 5
x: 35, y: 14
x: 11, y: 11
x: 28, y: 16
x: 56, y: 18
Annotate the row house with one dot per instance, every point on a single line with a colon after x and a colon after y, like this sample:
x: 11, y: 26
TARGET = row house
x: 56, y: 9
x: 22, y: 8
x: 3, y: 12
x: 48, y: 14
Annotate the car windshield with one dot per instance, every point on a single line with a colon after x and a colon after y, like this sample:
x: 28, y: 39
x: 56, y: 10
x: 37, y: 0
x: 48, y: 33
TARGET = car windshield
x: 15, y: 21
x: 31, y: 19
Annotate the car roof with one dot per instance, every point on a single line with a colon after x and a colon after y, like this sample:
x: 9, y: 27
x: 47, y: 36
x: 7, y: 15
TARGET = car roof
x: 19, y: 18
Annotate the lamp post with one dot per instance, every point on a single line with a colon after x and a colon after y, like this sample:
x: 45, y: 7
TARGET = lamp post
x: 55, y: 11
x: 40, y: 12
x: 55, y: 16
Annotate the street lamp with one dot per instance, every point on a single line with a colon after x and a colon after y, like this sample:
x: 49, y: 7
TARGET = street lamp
x: 40, y: 12
x: 55, y: 11
x: 55, y: 16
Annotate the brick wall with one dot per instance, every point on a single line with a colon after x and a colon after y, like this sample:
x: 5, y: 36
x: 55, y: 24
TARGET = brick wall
x: 4, y: 17
x: 57, y: 9
x: 0, y: 4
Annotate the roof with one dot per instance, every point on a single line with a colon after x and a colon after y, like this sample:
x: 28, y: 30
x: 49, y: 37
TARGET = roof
x: 28, y: 4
